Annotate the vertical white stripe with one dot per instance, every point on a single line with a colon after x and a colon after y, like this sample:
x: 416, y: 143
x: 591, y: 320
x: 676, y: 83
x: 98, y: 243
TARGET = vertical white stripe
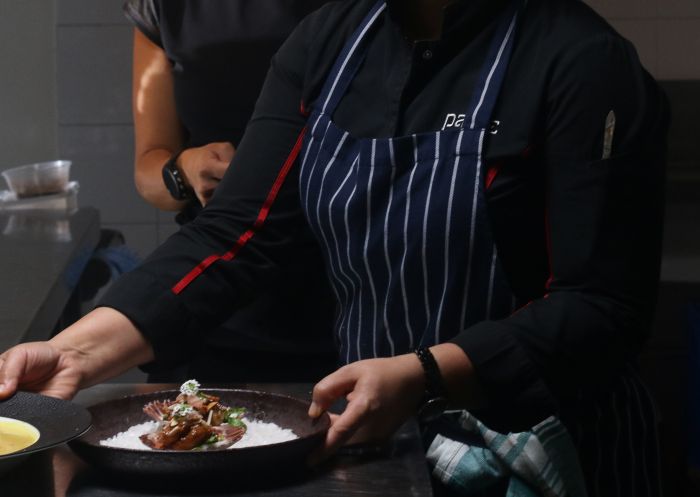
x: 425, y: 231
x: 402, y: 274
x: 448, y: 228
x: 339, y: 264
x: 492, y: 275
x: 493, y: 69
x: 323, y: 180
x: 356, y: 289
x: 387, y: 327
x: 350, y: 54
x: 472, y: 228
x: 365, y: 250
x: 318, y: 215
x: 309, y: 146
x: 313, y: 168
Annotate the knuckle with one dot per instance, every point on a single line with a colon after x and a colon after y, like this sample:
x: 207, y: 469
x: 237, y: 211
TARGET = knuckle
x: 343, y: 430
x: 321, y: 389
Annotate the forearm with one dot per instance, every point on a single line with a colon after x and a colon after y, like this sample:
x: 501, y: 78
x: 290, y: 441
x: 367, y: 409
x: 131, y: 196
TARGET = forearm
x: 102, y: 345
x: 158, y: 133
x: 458, y: 375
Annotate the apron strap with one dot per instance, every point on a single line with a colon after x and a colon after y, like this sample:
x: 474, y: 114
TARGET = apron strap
x: 348, y: 62
x: 494, y: 69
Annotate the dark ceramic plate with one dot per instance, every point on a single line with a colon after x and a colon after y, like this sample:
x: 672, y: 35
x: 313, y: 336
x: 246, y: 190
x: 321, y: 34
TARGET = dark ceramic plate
x: 115, y: 416
x: 58, y: 421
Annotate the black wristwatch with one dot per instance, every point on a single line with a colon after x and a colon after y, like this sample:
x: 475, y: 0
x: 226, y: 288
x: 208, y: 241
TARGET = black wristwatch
x: 174, y: 182
x: 435, y: 399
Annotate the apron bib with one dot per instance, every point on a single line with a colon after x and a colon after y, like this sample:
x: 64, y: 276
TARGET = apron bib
x: 403, y: 220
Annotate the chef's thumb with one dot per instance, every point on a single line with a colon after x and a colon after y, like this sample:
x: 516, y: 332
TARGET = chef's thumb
x: 8, y: 380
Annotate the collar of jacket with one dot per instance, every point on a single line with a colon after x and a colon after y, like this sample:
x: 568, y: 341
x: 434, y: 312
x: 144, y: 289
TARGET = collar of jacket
x: 462, y: 18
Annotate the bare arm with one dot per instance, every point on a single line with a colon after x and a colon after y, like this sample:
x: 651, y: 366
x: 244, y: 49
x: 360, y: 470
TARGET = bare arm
x: 101, y: 345
x: 157, y: 130
x: 159, y: 135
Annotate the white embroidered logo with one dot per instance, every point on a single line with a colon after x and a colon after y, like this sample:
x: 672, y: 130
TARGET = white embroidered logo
x: 457, y: 121
x: 453, y: 121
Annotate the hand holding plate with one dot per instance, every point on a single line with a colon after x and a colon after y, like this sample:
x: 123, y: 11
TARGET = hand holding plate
x: 382, y: 394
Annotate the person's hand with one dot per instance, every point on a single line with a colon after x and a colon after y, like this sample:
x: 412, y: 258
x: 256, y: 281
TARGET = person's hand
x: 203, y: 167
x: 382, y: 394
x: 100, y: 345
x: 39, y: 367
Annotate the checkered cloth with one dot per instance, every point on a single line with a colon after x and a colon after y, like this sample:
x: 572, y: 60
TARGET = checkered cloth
x: 541, y: 462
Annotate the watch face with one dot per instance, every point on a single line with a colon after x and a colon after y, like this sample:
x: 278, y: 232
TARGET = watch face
x: 173, y: 182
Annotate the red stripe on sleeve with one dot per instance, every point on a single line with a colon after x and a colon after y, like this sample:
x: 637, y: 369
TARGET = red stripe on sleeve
x: 548, y: 241
x: 259, y: 221
x: 491, y: 174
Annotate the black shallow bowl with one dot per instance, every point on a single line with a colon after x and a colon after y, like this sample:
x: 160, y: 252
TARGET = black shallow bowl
x: 58, y: 421
x: 115, y: 416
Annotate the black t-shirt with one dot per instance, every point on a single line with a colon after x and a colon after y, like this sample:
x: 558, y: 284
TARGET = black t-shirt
x: 579, y: 236
x: 220, y: 52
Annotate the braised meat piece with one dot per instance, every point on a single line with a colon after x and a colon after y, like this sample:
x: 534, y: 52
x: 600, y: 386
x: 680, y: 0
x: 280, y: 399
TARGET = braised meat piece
x: 194, y: 420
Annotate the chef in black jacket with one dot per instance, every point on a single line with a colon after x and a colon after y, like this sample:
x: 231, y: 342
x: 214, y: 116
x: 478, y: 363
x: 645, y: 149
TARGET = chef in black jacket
x: 198, y: 69
x: 364, y: 141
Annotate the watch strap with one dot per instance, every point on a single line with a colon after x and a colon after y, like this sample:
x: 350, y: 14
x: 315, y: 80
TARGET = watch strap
x: 434, y: 386
x: 173, y: 179
x: 434, y: 400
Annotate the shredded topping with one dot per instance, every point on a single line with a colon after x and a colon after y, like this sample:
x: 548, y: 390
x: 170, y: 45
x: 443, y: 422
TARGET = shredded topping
x: 190, y: 387
x: 182, y: 410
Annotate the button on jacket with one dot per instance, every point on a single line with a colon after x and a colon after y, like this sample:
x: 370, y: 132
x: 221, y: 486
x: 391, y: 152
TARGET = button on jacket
x: 578, y: 235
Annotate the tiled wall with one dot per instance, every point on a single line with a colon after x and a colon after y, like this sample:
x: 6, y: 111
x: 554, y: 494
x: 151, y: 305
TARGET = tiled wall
x: 94, y: 43
x: 665, y: 32
x: 28, y: 95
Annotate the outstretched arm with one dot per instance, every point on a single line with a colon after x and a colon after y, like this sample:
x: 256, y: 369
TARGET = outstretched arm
x: 101, y: 345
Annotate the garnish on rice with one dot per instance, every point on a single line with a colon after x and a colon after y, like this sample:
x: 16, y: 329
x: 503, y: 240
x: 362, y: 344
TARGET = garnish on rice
x: 193, y: 421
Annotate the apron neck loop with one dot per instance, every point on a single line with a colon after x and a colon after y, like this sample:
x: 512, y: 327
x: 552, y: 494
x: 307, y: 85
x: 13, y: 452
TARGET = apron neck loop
x: 348, y: 62
x: 493, y: 71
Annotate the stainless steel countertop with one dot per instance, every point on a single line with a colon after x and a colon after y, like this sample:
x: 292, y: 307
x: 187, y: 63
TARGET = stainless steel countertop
x: 41, y: 259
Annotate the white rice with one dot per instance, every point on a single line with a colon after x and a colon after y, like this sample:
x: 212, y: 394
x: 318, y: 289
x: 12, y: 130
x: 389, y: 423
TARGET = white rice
x: 258, y: 433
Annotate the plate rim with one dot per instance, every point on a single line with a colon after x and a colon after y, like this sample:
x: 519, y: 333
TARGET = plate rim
x: 38, y: 446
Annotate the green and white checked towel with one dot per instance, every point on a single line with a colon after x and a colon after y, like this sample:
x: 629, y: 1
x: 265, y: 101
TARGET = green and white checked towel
x: 541, y: 462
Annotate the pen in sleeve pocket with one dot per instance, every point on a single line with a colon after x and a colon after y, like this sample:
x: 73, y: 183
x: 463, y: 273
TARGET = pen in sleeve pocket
x: 609, y: 134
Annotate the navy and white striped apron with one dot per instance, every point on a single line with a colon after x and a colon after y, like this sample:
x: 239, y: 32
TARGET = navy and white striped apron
x: 403, y: 220
x: 408, y: 244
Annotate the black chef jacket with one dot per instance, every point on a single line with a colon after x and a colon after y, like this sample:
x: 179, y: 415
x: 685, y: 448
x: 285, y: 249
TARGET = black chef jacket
x: 579, y: 235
